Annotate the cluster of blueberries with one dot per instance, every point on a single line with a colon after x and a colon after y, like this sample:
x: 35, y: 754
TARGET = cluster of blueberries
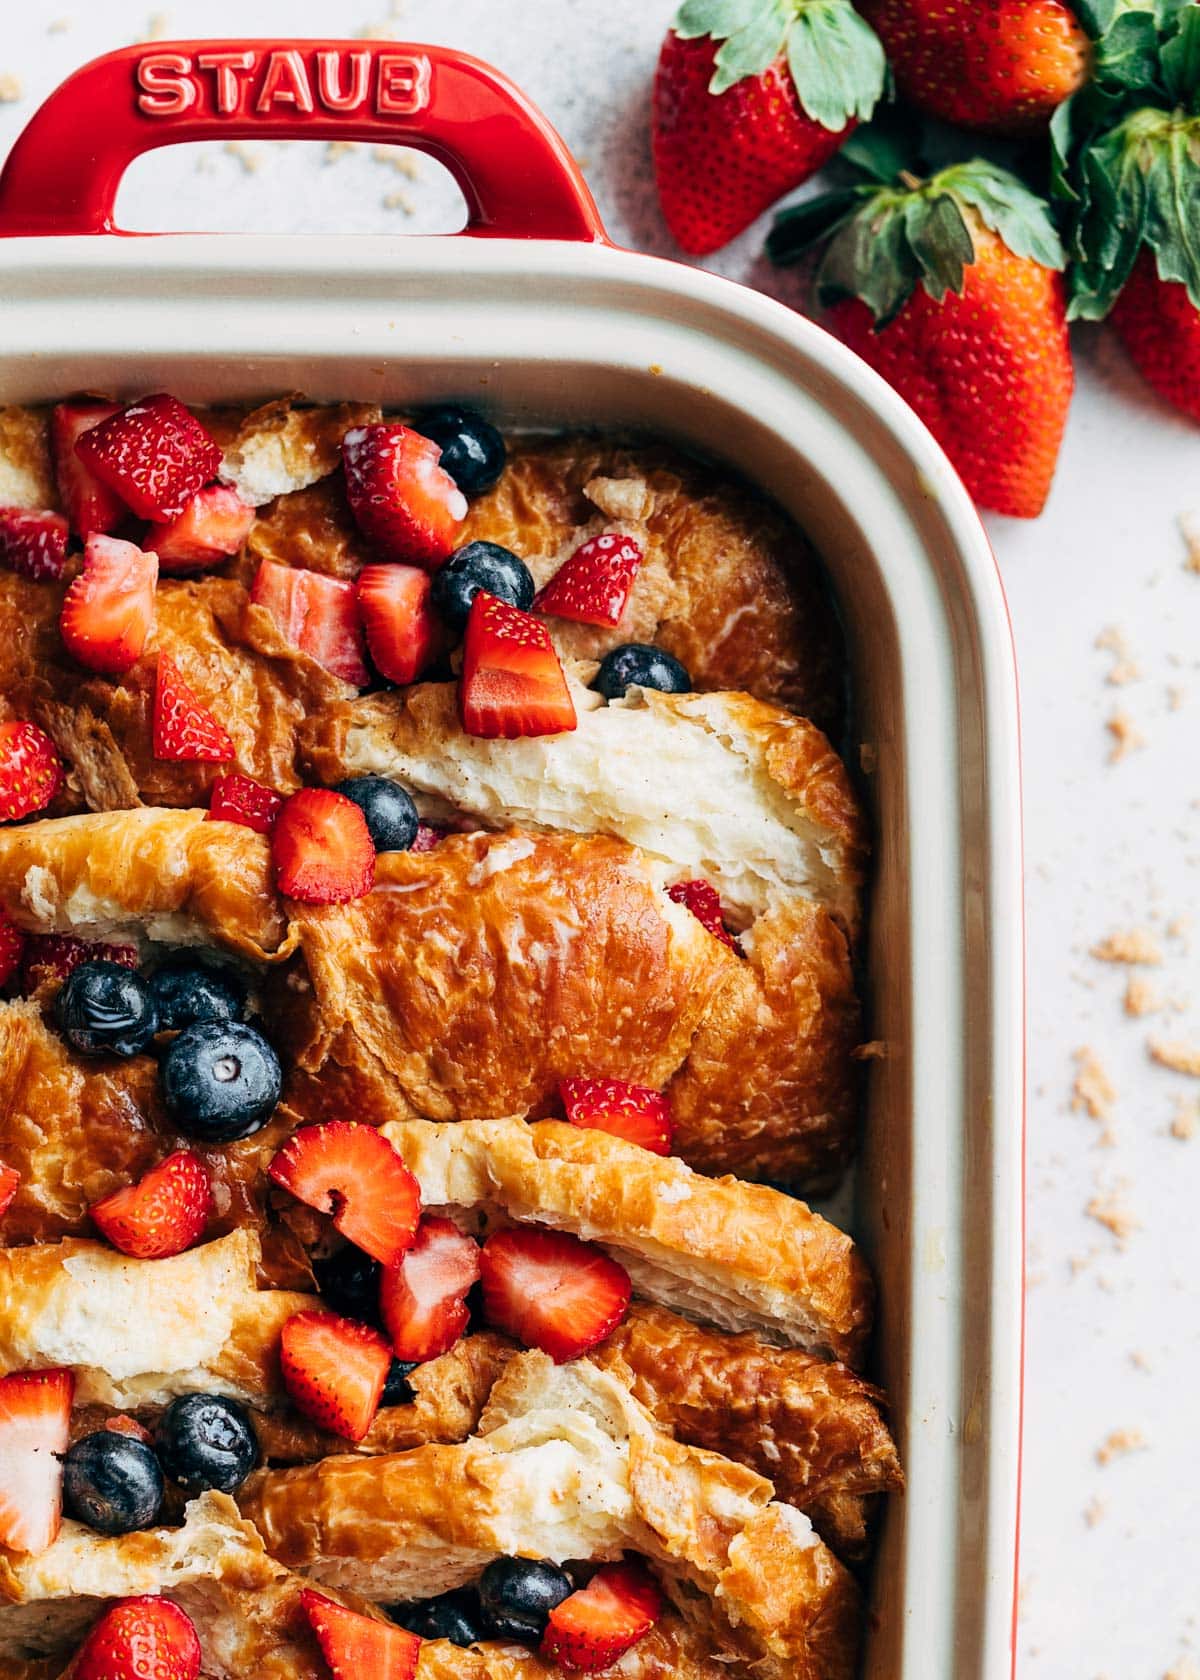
x: 512, y: 1600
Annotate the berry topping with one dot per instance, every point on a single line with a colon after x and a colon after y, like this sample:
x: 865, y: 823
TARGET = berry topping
x: 122, y: 1424
x: 628, y: 1111
x: 640, y: 665
x: 403, y: 633
x: 213, y: 525
x: 31, y: 772
x: 703, y: 900
x: 348, y: 1283
x: 187, y: 991
x: 91, y: 505
x: 112, y: 1482
x: 473, y: 451
x: 239, y: 799
x: 481, y: 565
x: 221, y: 1081
x: 108, y: 611
x: 593, y: 586
x: 599, y: 1623
x: 401, y: 498
x: 359, y: 1647
x: 352, y: 1172
x: 104, y: 1009
x: 163, y: 1213
x: 550, y: 1290
x: 12, y: 947
x: 10, y: 1182
x: 50, y: 957
x: 454, y: 1616
x: 35, y: 1421
x: 397, y: 1390
x: 155, y: 454
x: 206, y: 1441
x: 183, y: 728
x: 392, y: 820
x: 140, y: 1639
x: 334, y: 1369
x: 512, y: 683
x: 423, y: 1296
x: 322, y: 848
x: 428, y: 838
x: 516, y: 1596
x: 33, y: 544
x: 317, y: 614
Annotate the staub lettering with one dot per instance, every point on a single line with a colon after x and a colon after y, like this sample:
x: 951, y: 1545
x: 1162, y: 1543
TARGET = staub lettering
x: 284, y: 80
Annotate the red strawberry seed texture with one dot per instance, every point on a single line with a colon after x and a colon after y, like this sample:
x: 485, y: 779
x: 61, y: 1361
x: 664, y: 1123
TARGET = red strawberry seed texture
x: 163, y: 1213
x: 31, y: 771
x: 423, y: 1296
x: 352, y: 1172
x: 550, y: 1290
x: 140, y: 1639
x: 322, y: 848
x: 334, y: 1370
x: 593, y: 584
x: 154, y: 454
x: 33, y: 544
x: 184, y: 729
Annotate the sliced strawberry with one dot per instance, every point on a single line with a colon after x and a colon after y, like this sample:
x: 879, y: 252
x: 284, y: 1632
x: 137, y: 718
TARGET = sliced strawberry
x: 352, y: 1172
x: 155, y: 454
x: 703, y: 900
x: 322, y: 848
x: 317, y: 614
x: 429, y: 837
x: 31, y: 771
x: 404, y: 633
x: 358, y: 1647
x: 400, y: 497
x: 550, y: 1290
x: 183, y: 728
x: 35, y: 1422
x: 213, y: 525
x: 593, y: 585
x: 91, y: 506
x: 422, y: 1296
x: 34, y: 544
x: 12, y: 947
x: 108, y: 612
x: 628, y: 1111
x: 52, y: 956
x: 163, y: 1213
x: 10, y: 1180
x: 334, y: 1369
x: 240, y: 799
x: 140, y: 1639
x: 593, y: 1627
x: 512, y: 683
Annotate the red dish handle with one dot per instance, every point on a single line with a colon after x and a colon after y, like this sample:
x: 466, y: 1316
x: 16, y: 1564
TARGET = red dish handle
x: 517, y: 176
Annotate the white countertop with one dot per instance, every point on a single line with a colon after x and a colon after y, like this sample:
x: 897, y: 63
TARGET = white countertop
x: 1109, y: 1574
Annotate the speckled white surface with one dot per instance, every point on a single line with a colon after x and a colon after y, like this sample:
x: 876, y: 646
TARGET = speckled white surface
x: 1114, y: 1329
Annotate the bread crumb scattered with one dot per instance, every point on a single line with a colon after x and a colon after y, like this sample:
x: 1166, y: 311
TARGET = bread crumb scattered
x: 1184, y: 1669
x: 11, y: 89
x: 1120, y: 1442
x: 404, y: 162
x: 1109, y: 1210
x: 1095, y: 1512
x: 1135, y: 945
x: 250, y: 160
x: 1173, y: 1054
x: 335, y: 149
x: 1187, y: 1119
x: 399, y: 201
x: 1140, y: 1361
x: 1127, y: 737
x: 60, y: 25
x: 158, y: 26
x: 1176, y: 695
x: 1179, y: 927
x: 1142, y: 997
x: 1093, y: 1092
x: 1124, y: 669
x: 1189, y: 529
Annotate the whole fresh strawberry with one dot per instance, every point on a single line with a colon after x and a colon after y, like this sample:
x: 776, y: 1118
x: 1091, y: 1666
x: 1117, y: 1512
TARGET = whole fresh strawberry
x: 1159, y: 325
x: 950, y: 288
x: 751, y: 97
x: 1000, y: 65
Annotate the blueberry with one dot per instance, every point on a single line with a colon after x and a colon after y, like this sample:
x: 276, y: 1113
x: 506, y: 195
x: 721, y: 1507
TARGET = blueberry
x: 473, y: 451
x: 206, y: 1441
x: 220, y: 1081
x: 391, y: 815
x: 516, y: 1596
x: 397, y: 1390
x: 188, y: 992
x: 481, y: 565
x: 453, y: 1616
x: 112, y: 1482
x: 105, y: 1009
x: 348, y: 1282
x: 640, y: 663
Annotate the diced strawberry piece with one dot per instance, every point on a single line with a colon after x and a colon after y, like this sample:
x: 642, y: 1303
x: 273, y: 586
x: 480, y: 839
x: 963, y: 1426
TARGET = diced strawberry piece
x: 593, y: 585
x: 317, y: 614
x: 703, y: 900
x: 35, y: 1421
x: 120, y: 1424
x: 404, y: 633
x: 91, y: 506
x: 359, y: 1647
x: 512, y: 683
x: 240, y: 799
x: 52, y: 956
x: 214, y: 525
x: 31, y: 771
x: 550, y: 1290
x: 140, y: 1639
x: 628, y: 1111
x: 422, y: 1296
x: 108, y: 612
x: 322, y: 848
x: 163, y: 1213
x: 352, y: 1172
x: 12, y: 947
x: 34, y: 544
x: 334, y: 1369
x: 429, y: 837
x: 402, y: 500
x: 10, y: 1180
x: 593, y: 1627
x: 183, y: 728
x: 155, y: 454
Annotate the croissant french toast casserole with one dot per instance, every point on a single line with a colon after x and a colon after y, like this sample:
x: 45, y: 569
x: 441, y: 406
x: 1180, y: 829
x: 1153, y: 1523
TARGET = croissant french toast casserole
x: 429, y: 915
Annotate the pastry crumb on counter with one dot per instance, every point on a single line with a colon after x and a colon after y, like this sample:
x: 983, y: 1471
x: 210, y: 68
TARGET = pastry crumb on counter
x: 335, y: 149
x: 1133, y: 945
x: 1140, y: 1361
x: 1119, y: 1443
x: 1095, y: 1513
x: 1142, y: 997
x: 1110, y: 1211
x: 1176, y: 1055
x: 1186, y: 1122
x: 1093, y: 1092
x: 1127, y: 737
x: 158, y: 26
x: 1189, y: 530
x: 1184, y: 1669
x: 399, y: 201
x: 250, y: 160
x: 404, y: 162
x: 12, y: 89
x: 60, y: 25
x: 1124, y: 668
x: 1176, y: 695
